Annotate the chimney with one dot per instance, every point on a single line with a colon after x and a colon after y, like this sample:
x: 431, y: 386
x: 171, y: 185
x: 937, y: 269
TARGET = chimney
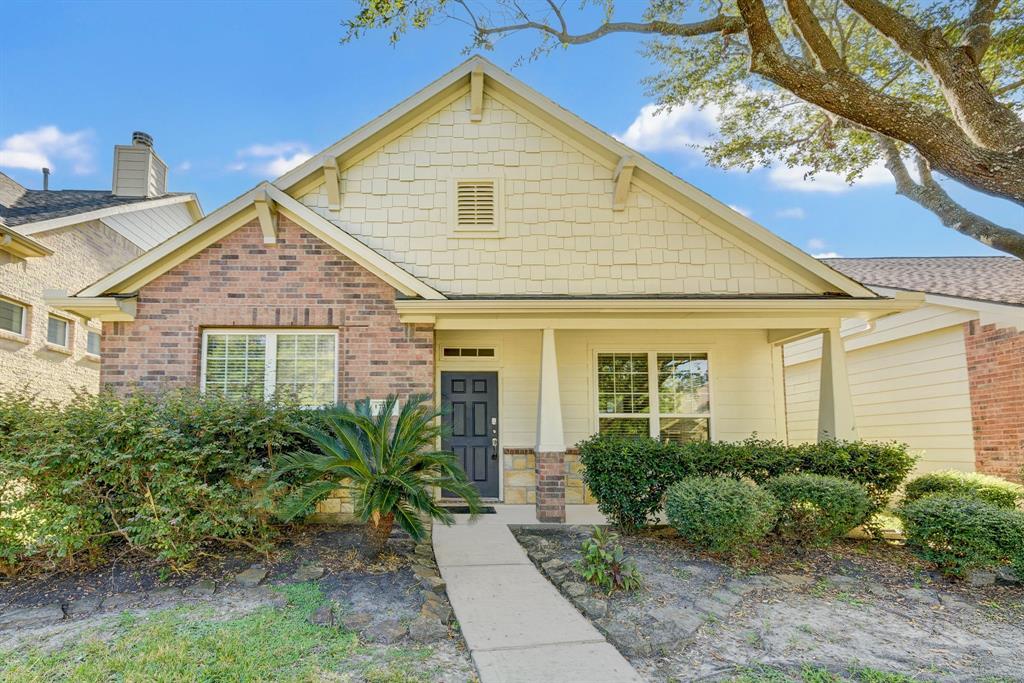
x: 138, y: 171
x: 46, y: 179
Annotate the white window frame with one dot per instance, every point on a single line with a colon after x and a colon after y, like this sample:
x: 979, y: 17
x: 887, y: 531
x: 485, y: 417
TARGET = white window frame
x: 270, y: 359
x: 654, y: 415
x: 24, y: 317
x: 99, y: 339
x: 67, y: 331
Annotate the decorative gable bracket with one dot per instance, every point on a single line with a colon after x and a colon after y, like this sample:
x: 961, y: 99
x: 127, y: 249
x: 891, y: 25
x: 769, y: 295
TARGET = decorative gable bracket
x: 476, y: 95
x: 266, y: 211
x: 622, y: 178
x: 332, y: 181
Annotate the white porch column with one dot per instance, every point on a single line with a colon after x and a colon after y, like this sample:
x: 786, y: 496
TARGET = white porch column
x: 835, y: 402
x: 550, y: 452
x: 550, y: 437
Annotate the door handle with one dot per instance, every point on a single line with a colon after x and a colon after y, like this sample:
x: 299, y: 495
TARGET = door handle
x: 494, y: 442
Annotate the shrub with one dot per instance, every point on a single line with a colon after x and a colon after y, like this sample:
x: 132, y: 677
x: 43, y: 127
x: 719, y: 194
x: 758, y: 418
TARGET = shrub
x: 720, y: 514
x: 963, y: 533
x: 628, y: 477
x: 990, y: 489
x: 604, y: 564
x: 816, y: 509
x: 167, y: 474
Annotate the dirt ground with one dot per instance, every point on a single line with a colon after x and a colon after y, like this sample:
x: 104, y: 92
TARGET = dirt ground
x: 382, y: 602
x: 855, y: 605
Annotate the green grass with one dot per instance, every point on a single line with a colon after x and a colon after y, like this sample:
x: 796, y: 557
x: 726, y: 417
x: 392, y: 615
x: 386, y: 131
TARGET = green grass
x: 187, y: 645
x: 813, y: 674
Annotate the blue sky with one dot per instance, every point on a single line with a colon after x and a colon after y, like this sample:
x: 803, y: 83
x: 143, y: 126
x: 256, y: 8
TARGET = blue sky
x: 236, y: 92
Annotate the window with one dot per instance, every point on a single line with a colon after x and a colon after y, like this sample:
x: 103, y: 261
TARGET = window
x: 654, y: 394
x: 92, y: 343
x: 57, y: 331
x: 257, y: 363
x: 12, y: 317
x: 475, y: 204
x: 455, y: 352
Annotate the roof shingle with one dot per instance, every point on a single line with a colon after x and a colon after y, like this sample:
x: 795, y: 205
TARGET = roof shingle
x: 999, y: 279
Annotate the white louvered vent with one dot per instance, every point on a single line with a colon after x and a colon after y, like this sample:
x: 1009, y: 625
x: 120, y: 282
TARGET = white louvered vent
x: 475, y: 203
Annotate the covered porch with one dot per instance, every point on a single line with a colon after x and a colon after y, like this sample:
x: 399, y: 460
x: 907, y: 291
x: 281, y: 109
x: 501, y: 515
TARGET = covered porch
x: 522, y: 381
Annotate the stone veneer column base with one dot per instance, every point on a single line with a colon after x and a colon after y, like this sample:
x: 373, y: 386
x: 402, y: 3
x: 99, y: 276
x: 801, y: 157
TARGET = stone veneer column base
x: 551, y: 486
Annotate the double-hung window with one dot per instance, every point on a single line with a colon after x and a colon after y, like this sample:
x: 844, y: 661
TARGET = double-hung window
x: 12, y: 317
x: 662, y: 395
x: 265, y: 363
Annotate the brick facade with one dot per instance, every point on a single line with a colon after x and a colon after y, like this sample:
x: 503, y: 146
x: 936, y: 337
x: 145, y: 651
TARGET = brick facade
x: 551, y: 487
x: 81, y: 255
x: 995, y: 366
x: 301, y: 282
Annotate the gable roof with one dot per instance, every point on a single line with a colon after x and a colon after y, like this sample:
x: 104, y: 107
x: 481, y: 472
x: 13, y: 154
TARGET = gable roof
x: 701, y: 206
x: 998, y: 279
x: 241, y: 210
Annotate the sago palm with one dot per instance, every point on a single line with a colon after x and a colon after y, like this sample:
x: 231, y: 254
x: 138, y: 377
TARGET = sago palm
x: 388, y: 463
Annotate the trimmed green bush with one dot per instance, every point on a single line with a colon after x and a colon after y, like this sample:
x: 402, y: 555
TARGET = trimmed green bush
x: 963, y: 533
x: 165, y: 474
x: 628, y: 477
x: 815, y: 509
x: 720, y: 514
x: 990, y: 489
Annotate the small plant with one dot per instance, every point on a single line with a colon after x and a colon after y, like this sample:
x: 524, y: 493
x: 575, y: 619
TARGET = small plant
x: 817, y: 509
x: 994, y: 490
x: 720, y: 514
x: 604, y: 564
x: 960, y: 534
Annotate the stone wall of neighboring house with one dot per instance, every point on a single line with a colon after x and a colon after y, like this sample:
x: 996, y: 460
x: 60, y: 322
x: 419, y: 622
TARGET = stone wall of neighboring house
x: 995, y: 363
x: 81, y: 255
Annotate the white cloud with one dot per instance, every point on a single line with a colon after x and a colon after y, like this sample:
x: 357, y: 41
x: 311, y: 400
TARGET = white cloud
x: 833, y: 183
x: 792, y: 212
x: 47, y: 145
x: 680, y: 128
x: 741, y: 210
x: 184, y: 167
x: 816, y: 243
x: 827, y: 254
x: 271, y: 160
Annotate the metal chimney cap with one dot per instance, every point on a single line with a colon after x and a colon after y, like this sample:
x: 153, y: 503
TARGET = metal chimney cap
x: 142, y: 139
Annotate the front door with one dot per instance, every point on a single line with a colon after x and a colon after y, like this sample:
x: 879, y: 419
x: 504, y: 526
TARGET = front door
x: 470, y: 404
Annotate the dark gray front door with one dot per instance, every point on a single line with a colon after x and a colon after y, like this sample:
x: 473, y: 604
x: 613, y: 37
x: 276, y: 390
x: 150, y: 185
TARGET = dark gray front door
x: 470, y: 403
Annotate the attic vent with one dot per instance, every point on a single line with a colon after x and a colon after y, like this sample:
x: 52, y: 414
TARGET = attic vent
x: 475, y: 203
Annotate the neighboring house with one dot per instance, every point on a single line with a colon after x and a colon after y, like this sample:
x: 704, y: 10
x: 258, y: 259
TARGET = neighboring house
x: 65, y: 239
x: 946, y: 378
x: 479, y: 242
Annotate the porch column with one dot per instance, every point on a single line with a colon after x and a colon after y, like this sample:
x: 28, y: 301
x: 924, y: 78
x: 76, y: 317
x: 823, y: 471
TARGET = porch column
x: 550, y: 437
x: 835, y: 403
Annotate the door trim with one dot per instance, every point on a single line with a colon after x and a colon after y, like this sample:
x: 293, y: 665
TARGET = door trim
x: 474, y: 365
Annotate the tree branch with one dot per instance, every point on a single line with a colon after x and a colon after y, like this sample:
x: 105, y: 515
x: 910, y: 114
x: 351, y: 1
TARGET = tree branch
x: 984, y: 119
x: 978, y: 32
x: 931, y: 196
x: 815, y: 37
x: 722, y: 23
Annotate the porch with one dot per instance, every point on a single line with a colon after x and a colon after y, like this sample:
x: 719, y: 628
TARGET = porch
x: 522, y: 382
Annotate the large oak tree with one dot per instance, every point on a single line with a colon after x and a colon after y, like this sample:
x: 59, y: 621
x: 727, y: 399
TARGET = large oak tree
x: 831, y: 85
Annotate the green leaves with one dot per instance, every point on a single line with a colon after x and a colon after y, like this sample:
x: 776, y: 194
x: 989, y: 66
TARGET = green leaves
x: 385, y: 461
x: 604, y: 564
x: 720, y: 514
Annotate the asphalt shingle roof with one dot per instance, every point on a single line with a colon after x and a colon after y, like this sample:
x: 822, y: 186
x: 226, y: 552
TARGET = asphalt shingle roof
x: 19, y: 205
x: 999, y: 279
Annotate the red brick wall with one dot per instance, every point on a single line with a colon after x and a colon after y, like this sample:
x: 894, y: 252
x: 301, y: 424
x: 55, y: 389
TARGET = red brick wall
x: 241, y: 282
x: 995, y: 368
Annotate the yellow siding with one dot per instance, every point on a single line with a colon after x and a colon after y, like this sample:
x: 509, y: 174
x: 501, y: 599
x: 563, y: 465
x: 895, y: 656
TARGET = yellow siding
x: 742, y: 386
x: 913, y: 389
x: 558, y: 232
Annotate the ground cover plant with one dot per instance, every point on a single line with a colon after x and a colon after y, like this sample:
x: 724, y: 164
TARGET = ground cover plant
x: 603, y: 563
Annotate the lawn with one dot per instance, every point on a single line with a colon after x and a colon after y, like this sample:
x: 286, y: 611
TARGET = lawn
x: 191, y: 644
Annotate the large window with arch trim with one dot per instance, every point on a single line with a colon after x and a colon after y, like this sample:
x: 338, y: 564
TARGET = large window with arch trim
x: 653, y: 393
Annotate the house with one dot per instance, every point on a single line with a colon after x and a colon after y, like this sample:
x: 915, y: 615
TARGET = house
x: 66, y: 239
x: 479, y: 242
x: 946, y: 378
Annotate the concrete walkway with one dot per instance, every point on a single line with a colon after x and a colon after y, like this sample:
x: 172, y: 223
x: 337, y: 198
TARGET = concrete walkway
x: 518, y: 627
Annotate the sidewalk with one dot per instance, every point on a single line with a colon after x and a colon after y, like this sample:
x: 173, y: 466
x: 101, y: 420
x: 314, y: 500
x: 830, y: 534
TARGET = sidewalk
x: 518, y: 627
